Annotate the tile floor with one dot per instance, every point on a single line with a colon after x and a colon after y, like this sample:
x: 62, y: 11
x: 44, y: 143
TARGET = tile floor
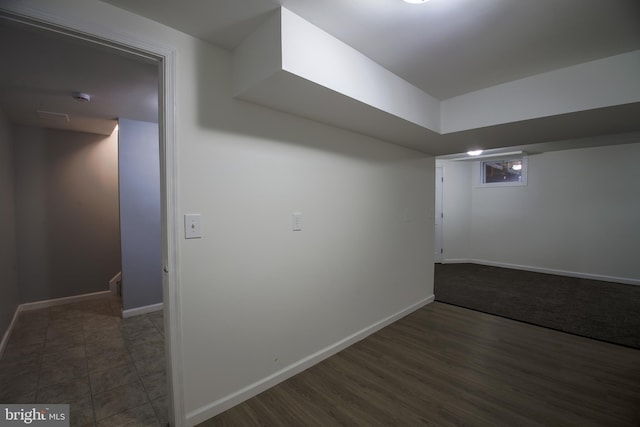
x: 110, y: 370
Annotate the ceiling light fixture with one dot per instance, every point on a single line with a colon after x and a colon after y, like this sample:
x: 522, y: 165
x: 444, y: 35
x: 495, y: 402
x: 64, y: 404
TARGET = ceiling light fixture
x: 474, y: 152
x: 81, y: 96
x: 415, y: 1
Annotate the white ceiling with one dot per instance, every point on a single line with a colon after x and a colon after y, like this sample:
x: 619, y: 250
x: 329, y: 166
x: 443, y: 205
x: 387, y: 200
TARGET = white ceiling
x: 45, y: 68
x: 444, y: 47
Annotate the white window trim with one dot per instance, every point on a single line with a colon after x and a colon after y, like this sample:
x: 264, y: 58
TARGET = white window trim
x: 479, y: 172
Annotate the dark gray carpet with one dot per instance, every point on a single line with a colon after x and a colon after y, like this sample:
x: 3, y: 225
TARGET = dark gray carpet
x: 601, y: 310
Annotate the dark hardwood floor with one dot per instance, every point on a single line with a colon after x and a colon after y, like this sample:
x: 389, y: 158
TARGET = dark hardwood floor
x: 448, y: 366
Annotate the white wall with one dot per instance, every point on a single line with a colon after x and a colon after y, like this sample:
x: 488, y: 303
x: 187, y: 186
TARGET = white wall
x: 313, y: 54
x: 579, y: 87
x: 140, y: 230
x: 8, y: 255
x: 259, y: 300
x: 578, y: 215
x: 66, y: 196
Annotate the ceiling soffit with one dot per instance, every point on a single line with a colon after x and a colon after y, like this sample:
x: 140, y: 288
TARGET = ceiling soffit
x: 291, y: 65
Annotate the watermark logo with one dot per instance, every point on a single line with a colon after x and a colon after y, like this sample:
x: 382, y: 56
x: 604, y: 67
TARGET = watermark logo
x: 34, y: 415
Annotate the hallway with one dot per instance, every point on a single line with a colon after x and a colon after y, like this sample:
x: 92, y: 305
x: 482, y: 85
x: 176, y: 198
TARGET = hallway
x: 110, y: 370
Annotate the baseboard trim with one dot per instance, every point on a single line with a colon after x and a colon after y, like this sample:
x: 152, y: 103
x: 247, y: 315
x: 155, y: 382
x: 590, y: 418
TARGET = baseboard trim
x: 580, y: 275
x: 7, y: 333
x: 114, y: 284
x: 62, y: 301
x: 204, y: 413
x: 142, y: 310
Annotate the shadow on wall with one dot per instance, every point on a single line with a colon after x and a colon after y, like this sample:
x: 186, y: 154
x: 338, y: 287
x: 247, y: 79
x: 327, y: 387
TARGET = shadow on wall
x: 66, y: 212
x: 244, y: 122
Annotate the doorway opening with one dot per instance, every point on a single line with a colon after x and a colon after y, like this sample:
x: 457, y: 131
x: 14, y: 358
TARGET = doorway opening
x: 123, y: 45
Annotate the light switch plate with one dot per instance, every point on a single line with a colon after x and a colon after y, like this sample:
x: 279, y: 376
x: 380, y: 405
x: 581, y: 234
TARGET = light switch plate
x: 296, y: 221
x: 192, y: 226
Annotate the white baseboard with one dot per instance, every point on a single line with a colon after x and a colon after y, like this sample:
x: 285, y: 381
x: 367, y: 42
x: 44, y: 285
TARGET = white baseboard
x: 457, y: 261
x: 7, y: 333
x: 204, y: 413
x: 141, y: 310
x: 45, y: 304
x: 603, y: 278
x: 114, y: 284
x: 62, y: 301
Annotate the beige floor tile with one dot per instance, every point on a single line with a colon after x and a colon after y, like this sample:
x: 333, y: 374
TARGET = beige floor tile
x: 63, y: 343
x: 16, y: 387
x: 14, y: 367
x: 26, y: 338
x: 102, y: 334
x: 97, y: 323
x: 155, y: 384
x: 142, y: 416
x: 161, y: 407
x: 59, y: 354
x: 54, y: 372
x: 18, y: 399
x: 144, y: 336
x: 112, y: 343
x: 151, y: 366
x: 81, y: 413
x: 110, y: 370
x: 108, y: 359
x: 137, y: 323
x: 106, y: 380
x: 118, y: 400
x: 65, y: 312
x: 65, y: 392
x: 147, y: 350
x: 63, y: 327
x: 16, y: 354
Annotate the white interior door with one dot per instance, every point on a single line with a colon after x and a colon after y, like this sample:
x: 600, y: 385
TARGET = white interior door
x: 438, y: 253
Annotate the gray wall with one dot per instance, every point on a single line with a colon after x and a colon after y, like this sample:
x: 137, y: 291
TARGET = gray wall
x: 66, y: 196
x: 140, y: 214
x: 8, y: 261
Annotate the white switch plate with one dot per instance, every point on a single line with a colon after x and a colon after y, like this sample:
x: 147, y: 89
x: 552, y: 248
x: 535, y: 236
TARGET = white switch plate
x: 192, y: 228
x: 296, y: 221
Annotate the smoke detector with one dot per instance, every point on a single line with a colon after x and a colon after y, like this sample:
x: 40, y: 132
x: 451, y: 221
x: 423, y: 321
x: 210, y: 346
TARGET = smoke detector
x: 81, y: 96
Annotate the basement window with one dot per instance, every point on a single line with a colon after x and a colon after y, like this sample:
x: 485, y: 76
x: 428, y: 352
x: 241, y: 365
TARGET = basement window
x: 503, y: 172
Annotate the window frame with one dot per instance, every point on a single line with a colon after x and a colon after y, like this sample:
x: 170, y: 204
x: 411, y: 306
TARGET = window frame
x: 523, y: 174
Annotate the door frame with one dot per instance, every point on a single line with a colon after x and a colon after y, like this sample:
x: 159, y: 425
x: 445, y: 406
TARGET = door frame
x: 438, y: 236
x: 48, y: 18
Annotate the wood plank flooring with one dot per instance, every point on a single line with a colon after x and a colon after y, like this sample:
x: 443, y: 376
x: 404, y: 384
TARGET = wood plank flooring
x: 448, y: 366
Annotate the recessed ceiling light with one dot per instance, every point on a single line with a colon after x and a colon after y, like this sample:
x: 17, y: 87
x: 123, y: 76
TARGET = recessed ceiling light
x: 474, y: 152
x: 416, y: 1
